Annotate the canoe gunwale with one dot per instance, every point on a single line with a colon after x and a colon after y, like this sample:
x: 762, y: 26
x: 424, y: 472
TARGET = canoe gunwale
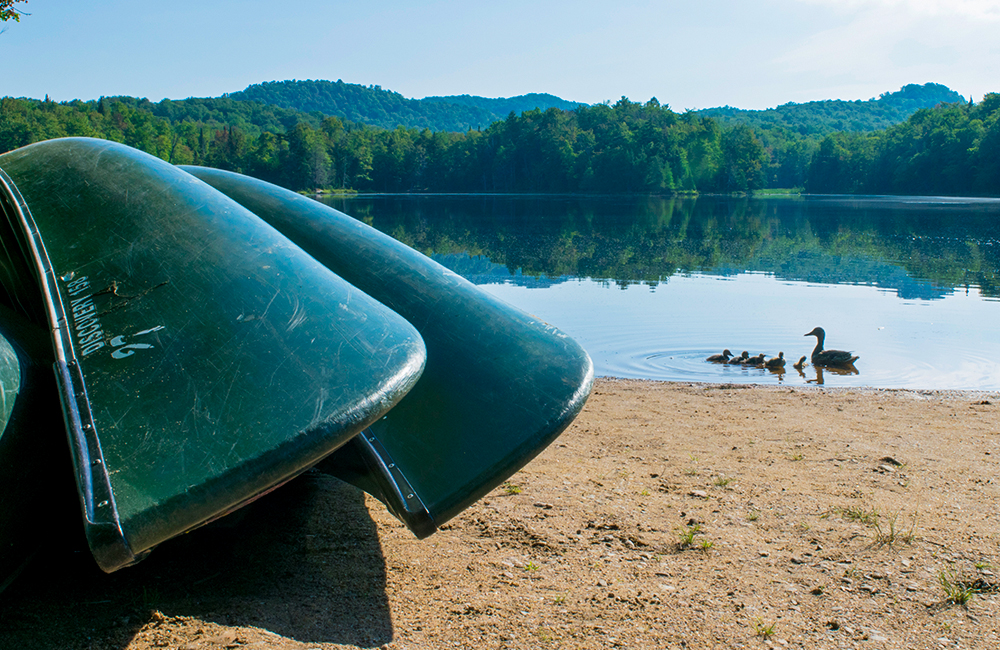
x: 398, y: 495
x: 102, y: 524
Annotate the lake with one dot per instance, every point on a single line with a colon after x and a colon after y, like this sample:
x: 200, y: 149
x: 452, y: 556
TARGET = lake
x: 651, y: 286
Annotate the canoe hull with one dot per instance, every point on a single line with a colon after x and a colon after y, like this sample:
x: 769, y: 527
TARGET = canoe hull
x: 498, y: 387
x: 202, y: 358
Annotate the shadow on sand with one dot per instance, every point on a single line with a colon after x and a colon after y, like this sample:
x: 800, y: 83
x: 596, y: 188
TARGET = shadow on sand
x: 304, y: 562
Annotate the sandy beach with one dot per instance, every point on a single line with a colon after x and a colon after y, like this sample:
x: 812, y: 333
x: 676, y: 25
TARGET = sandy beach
x: 668, y: 515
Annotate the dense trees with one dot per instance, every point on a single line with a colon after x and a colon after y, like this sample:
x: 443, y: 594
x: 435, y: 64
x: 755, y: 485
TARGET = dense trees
x: 378, y: 107
x: 821, y: 118
x: 625, y: 147
x: 605, y: 148
x: 953, y: 149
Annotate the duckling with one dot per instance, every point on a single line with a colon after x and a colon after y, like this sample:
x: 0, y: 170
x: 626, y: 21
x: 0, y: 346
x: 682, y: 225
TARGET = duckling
x: 821, y: 357
x: 800, y: 364
x: 776, y: 362
x: 756, y: 361
x: 720, y: 358
x: 740, y: 359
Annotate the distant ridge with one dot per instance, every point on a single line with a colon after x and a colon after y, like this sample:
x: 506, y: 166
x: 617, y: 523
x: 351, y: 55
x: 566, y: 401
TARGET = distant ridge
x: 504, y: 106
x: 387, y: 109
x: 828, y: 116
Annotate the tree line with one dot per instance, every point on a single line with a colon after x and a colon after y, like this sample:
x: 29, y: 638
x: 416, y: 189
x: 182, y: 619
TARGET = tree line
x: 625, y: 147
x: 953, y: 149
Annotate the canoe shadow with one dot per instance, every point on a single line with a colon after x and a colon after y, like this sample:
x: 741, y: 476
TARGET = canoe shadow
x: 304, y: 562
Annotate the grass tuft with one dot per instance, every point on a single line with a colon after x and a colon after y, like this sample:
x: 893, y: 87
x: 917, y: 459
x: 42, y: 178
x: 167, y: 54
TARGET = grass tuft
x: 686, y: 536
x: 957, y: 589
x: 511, y: 488
x: 888, y: 534
x: 763, y: 630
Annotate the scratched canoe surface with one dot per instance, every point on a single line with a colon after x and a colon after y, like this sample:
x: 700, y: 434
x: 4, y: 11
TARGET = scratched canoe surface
x: 498, y: 387
x: 36, y: 484
x: 202, y: 358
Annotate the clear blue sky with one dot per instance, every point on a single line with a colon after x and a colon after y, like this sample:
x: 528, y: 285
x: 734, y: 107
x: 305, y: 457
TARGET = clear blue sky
x: 688, y: 54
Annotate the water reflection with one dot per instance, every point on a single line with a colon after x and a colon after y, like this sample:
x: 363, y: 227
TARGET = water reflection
x: 652, y: 286
x: 811, y: 374
x: 921, y: 249
x: 843, y: 371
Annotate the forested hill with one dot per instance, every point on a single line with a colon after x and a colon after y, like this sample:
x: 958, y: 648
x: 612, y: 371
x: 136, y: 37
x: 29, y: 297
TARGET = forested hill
x: 387, y: 109
x: 820, y: 118
x: 625, y: 147
x: 375, y: 106
x: 504, y: 106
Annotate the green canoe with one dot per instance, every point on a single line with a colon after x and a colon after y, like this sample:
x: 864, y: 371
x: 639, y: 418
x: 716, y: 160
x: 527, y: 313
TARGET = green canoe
x: 201, y: 357
x: 499, y: 385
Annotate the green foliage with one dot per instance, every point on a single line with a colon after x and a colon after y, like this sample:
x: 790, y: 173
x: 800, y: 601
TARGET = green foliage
x: 511, y: 488
x: 9, y: 12
x: 374, y: 106
x: 503, y: 106
x: 625, y: 147
x: 764, y: 630
x: 685, y: 536
x: 958, y: 589
x: 952, y: 149
x: 628, y: 147
x: 821, y: 118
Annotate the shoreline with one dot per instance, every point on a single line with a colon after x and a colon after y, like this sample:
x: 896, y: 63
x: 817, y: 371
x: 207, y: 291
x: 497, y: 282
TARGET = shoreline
x: 944, y: 393
x: 668, y: 515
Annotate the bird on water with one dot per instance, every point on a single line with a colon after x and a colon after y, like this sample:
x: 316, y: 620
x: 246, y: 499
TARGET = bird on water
x: 740, y: 359
x: 821, y: 357
x: 776, y: 362
x: 800, y: 364
x: 720, y: 358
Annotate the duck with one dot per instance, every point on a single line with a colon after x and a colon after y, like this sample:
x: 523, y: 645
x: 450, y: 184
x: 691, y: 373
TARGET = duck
x: 740, y: 359
x: 756, y: 360
x: 720, y: 358
x: 776, y: 362
x: 821, y: 357
x: 800, y: 364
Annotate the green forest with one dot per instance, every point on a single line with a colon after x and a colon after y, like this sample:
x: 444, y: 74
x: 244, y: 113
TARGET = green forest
x: 624, y: 147
x: 375, y: 106
x: 832, y: 115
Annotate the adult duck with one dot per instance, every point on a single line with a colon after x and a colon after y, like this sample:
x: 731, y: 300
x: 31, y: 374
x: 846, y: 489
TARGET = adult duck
x: 720, y: 358
x: 821, y: 357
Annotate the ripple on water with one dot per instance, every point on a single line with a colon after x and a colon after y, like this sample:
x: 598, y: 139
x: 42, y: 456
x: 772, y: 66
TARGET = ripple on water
x: 688, y: 365
x: 967, y: 370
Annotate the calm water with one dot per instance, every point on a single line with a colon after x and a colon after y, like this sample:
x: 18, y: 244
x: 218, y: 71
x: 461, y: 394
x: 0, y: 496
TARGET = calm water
x: 651, y: 286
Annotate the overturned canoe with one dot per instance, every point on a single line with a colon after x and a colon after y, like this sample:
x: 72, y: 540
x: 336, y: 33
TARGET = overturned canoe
x: 499, y: 385
x: 202, y: 358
